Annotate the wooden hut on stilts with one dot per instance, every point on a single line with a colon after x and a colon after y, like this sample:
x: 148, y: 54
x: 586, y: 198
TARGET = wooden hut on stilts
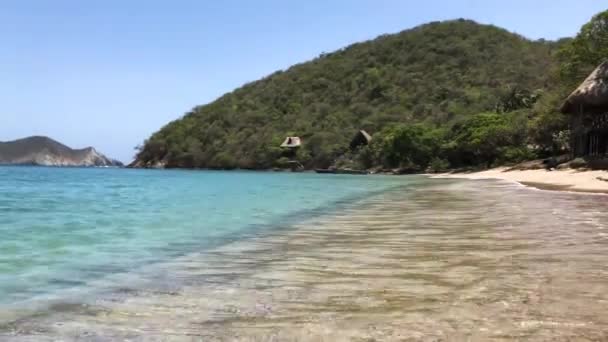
x: 362, y: 138
x: 290, y: 148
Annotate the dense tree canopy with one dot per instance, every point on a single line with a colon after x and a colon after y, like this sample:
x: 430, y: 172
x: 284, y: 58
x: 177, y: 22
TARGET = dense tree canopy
x: 419, y: 92
x: 407, y: 146
x: 586, y: 51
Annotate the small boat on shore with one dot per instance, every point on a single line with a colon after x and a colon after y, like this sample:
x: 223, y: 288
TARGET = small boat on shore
x: 325, y: 170
x: 343, y: 171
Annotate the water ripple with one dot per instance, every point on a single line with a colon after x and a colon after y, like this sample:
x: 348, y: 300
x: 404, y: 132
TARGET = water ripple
x: 446, y: 260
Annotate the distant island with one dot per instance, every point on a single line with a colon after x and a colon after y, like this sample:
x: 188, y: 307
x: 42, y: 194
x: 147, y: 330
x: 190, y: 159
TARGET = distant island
x: 44, y: 151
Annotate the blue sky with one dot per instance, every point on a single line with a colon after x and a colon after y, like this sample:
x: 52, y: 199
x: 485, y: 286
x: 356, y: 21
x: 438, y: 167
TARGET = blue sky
x: 109, y: 73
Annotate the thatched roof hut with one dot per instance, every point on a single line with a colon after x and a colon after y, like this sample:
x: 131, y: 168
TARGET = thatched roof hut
x: 591, y: 94
x: 588, y: 109
x: 291, y: 142
x: 362, y: 138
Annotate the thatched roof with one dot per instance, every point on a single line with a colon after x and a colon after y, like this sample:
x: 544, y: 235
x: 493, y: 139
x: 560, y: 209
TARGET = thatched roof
x: 291, y: 142
x: 361, y: 138
x: 593, y: 92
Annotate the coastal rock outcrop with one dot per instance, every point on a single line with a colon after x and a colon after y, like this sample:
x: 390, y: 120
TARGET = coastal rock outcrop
x: 138, y: 164
x: 44, y: 151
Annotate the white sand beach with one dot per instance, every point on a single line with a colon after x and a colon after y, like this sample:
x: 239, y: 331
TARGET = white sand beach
x: 566, y: 180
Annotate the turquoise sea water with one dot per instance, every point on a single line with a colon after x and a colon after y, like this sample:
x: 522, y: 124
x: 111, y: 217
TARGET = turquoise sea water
x: 116, y: 255
x: 64, y: 229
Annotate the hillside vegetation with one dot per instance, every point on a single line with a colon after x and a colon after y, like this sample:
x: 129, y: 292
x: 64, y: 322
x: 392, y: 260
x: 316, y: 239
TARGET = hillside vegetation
x: 445, y: 94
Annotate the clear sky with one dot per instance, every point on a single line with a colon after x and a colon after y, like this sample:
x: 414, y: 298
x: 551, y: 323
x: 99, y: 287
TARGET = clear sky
x: 108, y: 73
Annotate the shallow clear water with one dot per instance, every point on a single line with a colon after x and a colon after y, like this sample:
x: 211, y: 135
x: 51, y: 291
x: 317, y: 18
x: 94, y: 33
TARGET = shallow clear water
x: 63, y: 228
x: 363, y: 259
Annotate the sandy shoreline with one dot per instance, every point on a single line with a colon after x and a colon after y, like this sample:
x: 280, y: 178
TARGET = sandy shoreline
x: 562, y: 180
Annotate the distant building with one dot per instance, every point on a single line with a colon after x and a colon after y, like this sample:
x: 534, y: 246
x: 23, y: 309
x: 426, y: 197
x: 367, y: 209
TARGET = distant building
x: 292, y: 142
x: 362, y: 138
x: 588, y: 109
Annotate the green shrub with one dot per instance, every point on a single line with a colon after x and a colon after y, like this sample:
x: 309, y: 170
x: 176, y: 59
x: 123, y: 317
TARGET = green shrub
x: 514, y: 154
x: 439, y: 165
x: 408, y: 146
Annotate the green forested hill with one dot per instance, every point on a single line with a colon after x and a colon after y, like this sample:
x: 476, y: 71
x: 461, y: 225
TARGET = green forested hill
x: 438, y: 75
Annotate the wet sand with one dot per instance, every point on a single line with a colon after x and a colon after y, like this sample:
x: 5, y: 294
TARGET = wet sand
x: 444, y: 260
x: 559, y: 180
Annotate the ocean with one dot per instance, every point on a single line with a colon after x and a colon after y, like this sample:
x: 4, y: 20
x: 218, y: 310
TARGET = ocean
x: 118, y: 254
x: 64, y: 228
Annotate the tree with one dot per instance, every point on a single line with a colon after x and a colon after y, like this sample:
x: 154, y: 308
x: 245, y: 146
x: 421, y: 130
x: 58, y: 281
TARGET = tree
x: 548, y: 125
x: 516, y: 98
x: 482, y: 139
x: 586, y: 51
x: 410, y: 146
